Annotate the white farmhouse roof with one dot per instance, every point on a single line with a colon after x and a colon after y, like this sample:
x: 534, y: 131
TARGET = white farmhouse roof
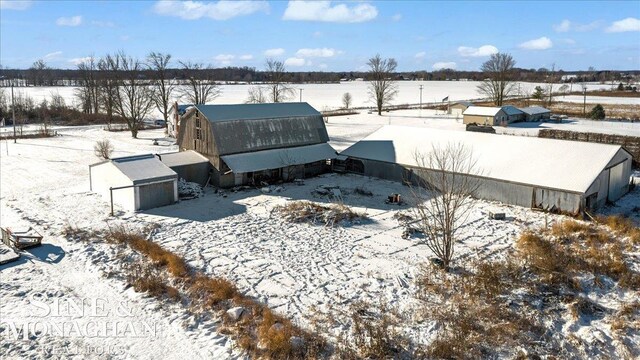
x: 277, y: 158
x: 549, y: 163
x: 481, y: 111
x: 143, y: 168
x: 535, y: 110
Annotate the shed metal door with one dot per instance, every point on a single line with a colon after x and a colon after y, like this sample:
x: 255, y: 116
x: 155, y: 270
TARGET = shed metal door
x: 156, y: 195
x: 617, y: 183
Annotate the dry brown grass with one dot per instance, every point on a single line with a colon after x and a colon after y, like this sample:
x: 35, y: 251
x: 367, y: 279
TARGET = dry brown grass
x: 313, y: 213
x: 627, y: 317
x: 622, y: 226
x: 145, y: 280
x: 174, y: 264
x: 211, y: 291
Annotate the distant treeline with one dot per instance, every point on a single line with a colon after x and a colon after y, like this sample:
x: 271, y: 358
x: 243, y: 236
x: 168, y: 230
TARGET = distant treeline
x: 42, y: 75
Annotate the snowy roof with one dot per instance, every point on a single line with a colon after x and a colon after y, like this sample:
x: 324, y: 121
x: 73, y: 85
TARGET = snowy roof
x: 215, y: 113
x: 182, y: 158
x: 481, y: 111
x: 277, y: 158
x: 143, y: 168
x: 549, y: 163
x: 511, y: 110
x: 535, y: 110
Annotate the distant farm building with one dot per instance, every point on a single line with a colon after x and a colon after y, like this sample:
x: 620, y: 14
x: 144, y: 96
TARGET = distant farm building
x: 459, y: 107
x: 554, y: 175
x: 137, y: 182
x: 486, y: 115
x: 250, y: 143
x: 536, y: 113
x: 173, y: 123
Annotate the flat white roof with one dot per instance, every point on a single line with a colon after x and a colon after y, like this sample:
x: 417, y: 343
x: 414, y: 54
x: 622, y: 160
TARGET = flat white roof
x: 481, y: 111
x: 181, y: 158
x: 277, y: 158
x: 548, y: 163
x: 143, y: 168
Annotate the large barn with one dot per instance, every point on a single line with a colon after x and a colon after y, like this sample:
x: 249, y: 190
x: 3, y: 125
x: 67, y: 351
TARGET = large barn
x: 548, y: 174
x: 251, y: 143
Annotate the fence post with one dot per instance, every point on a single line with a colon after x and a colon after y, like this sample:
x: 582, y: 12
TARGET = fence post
x: 111, y: 195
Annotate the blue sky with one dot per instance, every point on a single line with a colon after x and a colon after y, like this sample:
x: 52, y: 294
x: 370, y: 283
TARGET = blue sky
x: 326, y: 35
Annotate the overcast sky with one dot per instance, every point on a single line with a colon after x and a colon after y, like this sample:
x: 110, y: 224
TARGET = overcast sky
x: 326, y: 35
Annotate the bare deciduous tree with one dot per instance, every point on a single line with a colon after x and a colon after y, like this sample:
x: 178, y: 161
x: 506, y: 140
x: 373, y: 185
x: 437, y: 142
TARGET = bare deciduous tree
x: 88, y: 91
x: 278, y: 89
x: 199, y: 90
x: 133, y: 99
x: 382, y: 88
x: 256, y: 95
x: 109, y: 66
x: 499, y: 84
x: 103, y: 149
x: 444, y: 195
x: 346, y: 100
x: 162, y: 85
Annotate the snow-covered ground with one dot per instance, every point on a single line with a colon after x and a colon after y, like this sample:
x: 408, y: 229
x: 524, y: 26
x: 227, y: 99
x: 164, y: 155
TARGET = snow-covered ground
x: 329, y: 96
x: 295, y: 268
x: 600, y: 100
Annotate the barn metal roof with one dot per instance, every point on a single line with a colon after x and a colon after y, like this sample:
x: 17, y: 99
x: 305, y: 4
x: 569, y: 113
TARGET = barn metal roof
x: 535, y: 110
x: 549, y: 163
x: 511, y: 110
x: 277, y: 158
x: 143, y: 168
x: 216, y: 113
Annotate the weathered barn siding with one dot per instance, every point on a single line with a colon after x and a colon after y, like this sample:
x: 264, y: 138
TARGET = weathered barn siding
x: 488, y: 189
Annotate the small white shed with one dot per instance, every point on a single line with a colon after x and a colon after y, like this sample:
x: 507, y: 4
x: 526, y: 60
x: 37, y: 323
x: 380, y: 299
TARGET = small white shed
x: 138, y: 182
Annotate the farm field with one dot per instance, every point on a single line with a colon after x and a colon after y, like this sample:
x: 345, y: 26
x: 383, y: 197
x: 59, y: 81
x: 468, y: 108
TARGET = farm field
x: 329, y: 96
x: 300, y: 270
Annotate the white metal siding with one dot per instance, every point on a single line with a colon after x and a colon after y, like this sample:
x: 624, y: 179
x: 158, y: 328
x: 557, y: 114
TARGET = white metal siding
x: 617, y: 182
x: 106, y: 175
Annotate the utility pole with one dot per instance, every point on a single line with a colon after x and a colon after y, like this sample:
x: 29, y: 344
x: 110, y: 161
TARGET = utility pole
x: 13, y: 111
x: 584, y: 103
x: 300, y: 94
x: 420, y: 112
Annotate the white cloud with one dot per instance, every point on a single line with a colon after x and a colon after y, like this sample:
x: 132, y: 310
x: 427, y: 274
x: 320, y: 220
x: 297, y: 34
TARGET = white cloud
x: 274, y: 52
x: 76, y: 61
x: 296, y: 62
x: 324, y: 11
x: 420, y: 55
x: 52, y: 55
x: 245, y: 57
x: 15, y: 4
x: 484, y: 50
x: 569, y: 41
x: 220, y: 10
x: 444, y: 65
x: 224, y: 59
x: 320, y: 52
x: 542, y: 43
x: 566, y: 26
x: 396, y: 17
x: 317, y: 34
x: 323, y: 66
x: 69, y: 21
x: 624, y: 25
x: 125, y: 37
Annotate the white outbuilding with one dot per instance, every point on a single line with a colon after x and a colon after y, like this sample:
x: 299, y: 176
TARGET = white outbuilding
x: 547, y: 174
x: 135, y: 183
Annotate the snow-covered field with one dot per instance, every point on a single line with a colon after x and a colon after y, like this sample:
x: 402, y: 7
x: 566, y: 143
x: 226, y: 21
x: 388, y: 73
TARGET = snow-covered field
x: 329, y: 96
x: 600, y: 100
x: 295, y: 268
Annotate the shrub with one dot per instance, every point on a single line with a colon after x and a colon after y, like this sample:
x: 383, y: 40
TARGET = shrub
x: 103, y: 149
x: 597, y: 113
x: 308, y: 212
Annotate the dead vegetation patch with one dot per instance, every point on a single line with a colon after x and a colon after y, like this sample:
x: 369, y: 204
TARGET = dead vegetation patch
x: 313, y: 213
x: 259, y: 331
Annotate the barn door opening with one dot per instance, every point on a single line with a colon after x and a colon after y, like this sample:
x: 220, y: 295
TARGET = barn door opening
x: 617, y: 183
